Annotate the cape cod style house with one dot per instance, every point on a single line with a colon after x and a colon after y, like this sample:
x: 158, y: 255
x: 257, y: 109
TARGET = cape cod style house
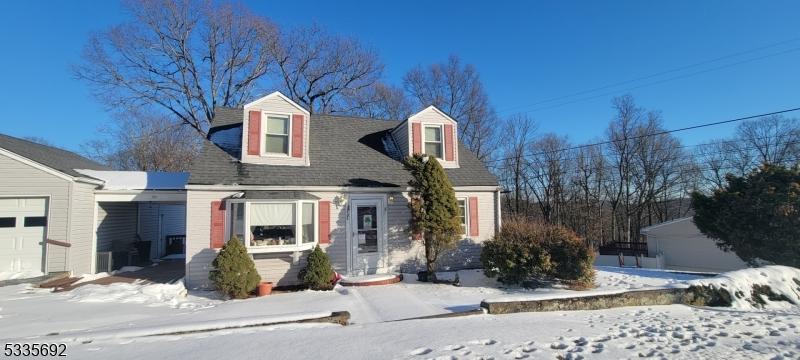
x: 282, y: 181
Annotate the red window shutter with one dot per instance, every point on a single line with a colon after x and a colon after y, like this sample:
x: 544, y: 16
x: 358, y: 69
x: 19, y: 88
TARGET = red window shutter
x: 416, y: 136
x: 448, y: 142
x: 297, y: 135
x: 217, y: 224
x: 324, y: 222
x: 473, y: 216
x: 254, y: 133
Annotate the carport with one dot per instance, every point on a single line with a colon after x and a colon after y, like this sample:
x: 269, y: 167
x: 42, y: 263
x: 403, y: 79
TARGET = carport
x: 140, y: 218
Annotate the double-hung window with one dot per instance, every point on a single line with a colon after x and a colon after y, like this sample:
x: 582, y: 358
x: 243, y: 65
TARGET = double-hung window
x: 275, y: 225
x: 434, y: 146
x: 462, y: 215
x: 277, y: 135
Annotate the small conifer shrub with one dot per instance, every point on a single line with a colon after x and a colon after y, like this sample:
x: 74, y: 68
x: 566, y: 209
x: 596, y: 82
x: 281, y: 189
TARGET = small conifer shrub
x: 318, y: 272
x: 234, y: 272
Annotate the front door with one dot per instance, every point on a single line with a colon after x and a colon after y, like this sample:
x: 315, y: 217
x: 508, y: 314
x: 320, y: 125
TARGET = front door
x: 368, y: 237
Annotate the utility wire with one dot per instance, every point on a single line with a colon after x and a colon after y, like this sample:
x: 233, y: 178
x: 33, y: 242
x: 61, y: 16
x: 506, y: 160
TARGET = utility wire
x: 660, y: 73
x: 693, y: 127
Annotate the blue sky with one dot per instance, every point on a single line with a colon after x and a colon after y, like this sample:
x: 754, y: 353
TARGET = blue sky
x: 526, y: 52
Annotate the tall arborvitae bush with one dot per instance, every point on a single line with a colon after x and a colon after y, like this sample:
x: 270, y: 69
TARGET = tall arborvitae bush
x: 234, y: 272
x: 434, y: 208
x: 318, y: 273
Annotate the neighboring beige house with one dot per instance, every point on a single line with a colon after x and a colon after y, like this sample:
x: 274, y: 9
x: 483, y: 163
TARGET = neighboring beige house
x: 61, y: 212
x: 283, y: 180
x: 683, y: 247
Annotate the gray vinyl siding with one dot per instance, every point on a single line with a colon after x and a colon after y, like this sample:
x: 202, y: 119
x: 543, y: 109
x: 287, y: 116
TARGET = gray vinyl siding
x: 280, y: 268
x: 468, y: 252
x: 81, y: 226
x: 116, y: 225
x: 148, y: 225
x: 404, y: 254
x: 400, y: 135
x: 199, y: 255
x: 19, y: 180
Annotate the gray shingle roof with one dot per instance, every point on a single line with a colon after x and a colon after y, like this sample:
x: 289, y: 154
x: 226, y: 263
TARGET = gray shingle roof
x: 345, y: 151
x: 52, y: 157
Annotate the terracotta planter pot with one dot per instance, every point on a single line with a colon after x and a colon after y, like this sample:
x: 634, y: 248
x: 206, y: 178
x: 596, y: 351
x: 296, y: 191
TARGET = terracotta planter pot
x: 264, y: 288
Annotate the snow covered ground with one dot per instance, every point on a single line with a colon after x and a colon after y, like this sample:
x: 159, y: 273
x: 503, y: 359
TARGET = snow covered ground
x: 13, y: 275
x: 96, y: 321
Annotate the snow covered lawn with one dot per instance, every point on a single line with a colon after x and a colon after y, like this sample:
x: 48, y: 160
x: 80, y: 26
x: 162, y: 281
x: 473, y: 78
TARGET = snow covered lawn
x: 96, y: 321
x: 664, y: 331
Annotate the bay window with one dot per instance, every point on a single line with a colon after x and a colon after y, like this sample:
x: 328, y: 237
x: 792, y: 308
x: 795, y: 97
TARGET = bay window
x: 276, y: 225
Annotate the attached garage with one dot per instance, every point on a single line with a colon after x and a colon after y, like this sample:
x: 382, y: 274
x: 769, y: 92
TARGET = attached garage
x: 46, y: 208
x: 23, y: 225
x: 59, y: 212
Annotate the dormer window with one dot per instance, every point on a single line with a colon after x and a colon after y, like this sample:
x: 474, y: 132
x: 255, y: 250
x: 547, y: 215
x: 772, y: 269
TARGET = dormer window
x: 433, y: 141
x: 277, y: 135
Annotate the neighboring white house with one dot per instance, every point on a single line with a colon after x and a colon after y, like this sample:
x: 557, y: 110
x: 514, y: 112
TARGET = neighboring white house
x: 683, y: 247
x: 282, y: 181
x: 61, y: 212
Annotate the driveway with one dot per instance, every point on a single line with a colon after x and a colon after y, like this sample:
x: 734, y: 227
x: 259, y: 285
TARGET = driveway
x: 165, y: 272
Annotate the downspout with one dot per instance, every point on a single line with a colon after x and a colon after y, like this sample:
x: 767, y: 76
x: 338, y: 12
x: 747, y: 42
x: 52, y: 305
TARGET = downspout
x: 498, y: 216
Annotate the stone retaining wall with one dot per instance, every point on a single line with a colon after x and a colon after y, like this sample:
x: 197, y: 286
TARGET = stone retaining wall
x: 592, y: 302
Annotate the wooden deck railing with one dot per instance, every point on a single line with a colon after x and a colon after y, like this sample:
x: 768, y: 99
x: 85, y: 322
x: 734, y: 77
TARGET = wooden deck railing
x: 626, y: 248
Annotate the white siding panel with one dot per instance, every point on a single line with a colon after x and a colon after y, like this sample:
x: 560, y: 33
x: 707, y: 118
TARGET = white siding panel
x: 277, y: 105
x: 198, y: 237
x: 23, y: 180
x: 432, y: 117
x: 280, y: 268
x: 685, y: 248
x: 81, y: 228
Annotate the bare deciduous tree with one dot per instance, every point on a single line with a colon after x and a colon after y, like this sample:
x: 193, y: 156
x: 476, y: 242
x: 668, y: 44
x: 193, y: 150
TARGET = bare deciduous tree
x: 771, y: 139
x: 457, y: 90
x: 179, y: 58
x: 380, y: 101
x: 318, y: 69
x: 549, y: 168
x: 145, y: 143
x: 518, y: 130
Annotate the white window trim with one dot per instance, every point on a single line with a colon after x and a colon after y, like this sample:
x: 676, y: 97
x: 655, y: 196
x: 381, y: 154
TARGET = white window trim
x: 425, y: 140
x: 466, y: 215
x: 263, y: 150
x: 298, y: 209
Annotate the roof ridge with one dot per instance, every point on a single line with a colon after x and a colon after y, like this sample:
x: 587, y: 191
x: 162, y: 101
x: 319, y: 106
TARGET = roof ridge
x: 40, y: 144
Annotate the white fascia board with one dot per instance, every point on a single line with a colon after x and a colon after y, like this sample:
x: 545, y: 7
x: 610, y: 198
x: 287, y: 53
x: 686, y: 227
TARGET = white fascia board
x: 280, y: 95
x: 139, y: 196
x: 435, y: 109
x: 328, y: 188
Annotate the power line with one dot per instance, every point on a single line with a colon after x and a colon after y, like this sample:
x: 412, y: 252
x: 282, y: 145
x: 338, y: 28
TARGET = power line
x: 660, y: 73
x: 652, y: 134
x: 794, y: 160
x: 712, y: 143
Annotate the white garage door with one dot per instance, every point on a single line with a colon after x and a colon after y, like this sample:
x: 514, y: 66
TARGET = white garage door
x: 23, y: 223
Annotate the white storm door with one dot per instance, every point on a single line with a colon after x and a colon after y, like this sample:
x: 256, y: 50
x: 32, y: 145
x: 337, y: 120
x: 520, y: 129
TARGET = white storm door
x: 368, y: 237
x: 23, y: 225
